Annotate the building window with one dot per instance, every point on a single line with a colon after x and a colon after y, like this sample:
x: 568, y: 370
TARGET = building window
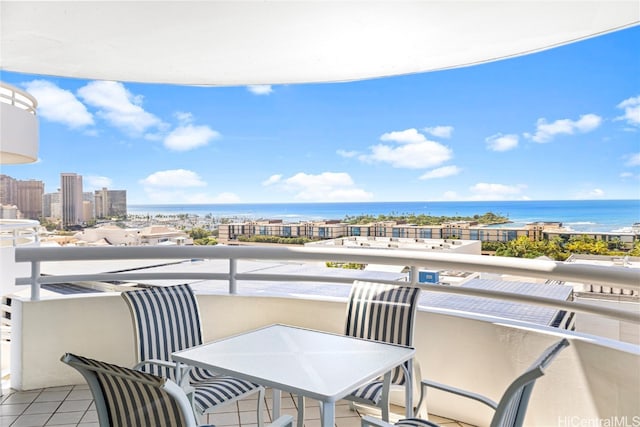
x: 355, y: 231
x: 424, y: 233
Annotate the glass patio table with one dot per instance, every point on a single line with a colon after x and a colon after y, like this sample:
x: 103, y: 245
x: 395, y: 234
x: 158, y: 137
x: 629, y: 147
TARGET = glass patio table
x: 314, y: 364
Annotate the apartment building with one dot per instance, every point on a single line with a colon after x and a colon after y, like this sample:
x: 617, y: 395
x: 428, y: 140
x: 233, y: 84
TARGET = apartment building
x: 25, y: 195
x: 51, y: 205
x: 110, y: 203
x: 463, y: 230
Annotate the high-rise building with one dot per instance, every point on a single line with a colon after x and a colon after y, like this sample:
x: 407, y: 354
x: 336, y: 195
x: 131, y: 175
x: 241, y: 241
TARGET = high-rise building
x: 25, y: 195
x: 8, y: 190
x: 110, y: 203
x: 88, y: 206
x: 51, y: 205
x: 71, y: 199
x: 30, y: 198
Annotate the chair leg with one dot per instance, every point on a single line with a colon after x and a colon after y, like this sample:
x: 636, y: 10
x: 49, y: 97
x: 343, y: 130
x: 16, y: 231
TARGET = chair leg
x: 260, y: 407
x: 300, y: 411
x: 384, y: 400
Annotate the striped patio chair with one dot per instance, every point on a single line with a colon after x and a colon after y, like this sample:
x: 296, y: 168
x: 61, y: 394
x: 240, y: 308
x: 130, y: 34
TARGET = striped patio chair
x: 166, y: 319
x: 128, y: 398
x: 510, y: 411
x: 381, y: 312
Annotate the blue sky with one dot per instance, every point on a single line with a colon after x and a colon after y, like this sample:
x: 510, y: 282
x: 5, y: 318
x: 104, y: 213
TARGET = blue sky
x: 559, y: 124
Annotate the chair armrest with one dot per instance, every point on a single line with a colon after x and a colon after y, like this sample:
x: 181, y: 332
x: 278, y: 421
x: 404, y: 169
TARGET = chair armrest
x: 180, y: 369
x: 459, y: 392
x: 158, y: 362
x: 374, y: 422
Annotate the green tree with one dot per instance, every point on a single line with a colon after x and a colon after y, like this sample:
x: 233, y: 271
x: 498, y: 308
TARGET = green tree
x: 522, y: 247
x: 584, y: 244
x: 199, y: 233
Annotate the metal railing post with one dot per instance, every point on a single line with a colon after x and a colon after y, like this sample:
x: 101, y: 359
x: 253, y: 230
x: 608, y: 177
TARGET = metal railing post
x: 35, y: 283
x: 233, y: 267
x: 413, y: 275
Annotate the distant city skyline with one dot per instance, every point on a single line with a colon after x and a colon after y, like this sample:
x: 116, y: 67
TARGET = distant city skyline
x: 562, y: 124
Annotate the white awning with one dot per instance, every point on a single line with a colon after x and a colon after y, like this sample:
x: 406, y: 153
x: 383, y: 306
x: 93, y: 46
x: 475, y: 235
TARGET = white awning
x: 275, y: 42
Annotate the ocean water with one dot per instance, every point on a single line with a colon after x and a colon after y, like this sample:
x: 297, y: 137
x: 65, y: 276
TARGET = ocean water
x: 578, y: 215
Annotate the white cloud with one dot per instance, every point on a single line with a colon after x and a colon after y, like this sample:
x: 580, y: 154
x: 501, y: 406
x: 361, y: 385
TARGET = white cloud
x: 450, y: 195
x: 408, y: 136
x: 500, y: 142
x: 184, y: 117
x: 260, y: 89
x: 178, y: 186
x: 595, y: 193
x: 188, y: 137
x: 273, y: 179
x: 175, y: 178
x: 324, y: 187
x: 442, y: 172
x: 545, y: 132
x: 634, y: 160
x: 203, y: 198
x: 347, y: 154
x: 414, y: 151
x: 488, y: 191
x: 97, y: 182
x: 626, y: 175
x: 226, y: 197
x: 59, y: 105
x: 439, y: 131
x: 631, y: 107
x: 118, y: 106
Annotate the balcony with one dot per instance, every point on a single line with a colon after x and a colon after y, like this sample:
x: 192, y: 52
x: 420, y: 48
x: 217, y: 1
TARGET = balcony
x: 594, y: 379
x: 18, y: 126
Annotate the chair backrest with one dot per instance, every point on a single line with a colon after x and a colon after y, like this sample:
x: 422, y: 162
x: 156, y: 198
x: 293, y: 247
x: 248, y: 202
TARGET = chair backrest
x: 512, y: 407
x: 383, y: 312
x: 166, y: 319
x: 128, y: 398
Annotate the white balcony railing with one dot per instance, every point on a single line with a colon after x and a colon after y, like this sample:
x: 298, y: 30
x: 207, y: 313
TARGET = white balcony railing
x: 596, y: 379
x: 590, y: 274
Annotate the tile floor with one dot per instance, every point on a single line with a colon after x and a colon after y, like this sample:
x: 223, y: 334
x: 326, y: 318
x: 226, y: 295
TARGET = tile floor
x: 73, y: 406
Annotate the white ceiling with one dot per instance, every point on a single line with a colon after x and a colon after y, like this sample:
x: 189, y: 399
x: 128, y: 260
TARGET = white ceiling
x: 274, y: 42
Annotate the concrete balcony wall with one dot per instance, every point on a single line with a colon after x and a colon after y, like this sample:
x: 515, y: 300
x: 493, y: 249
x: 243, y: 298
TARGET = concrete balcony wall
x: 18, y: 126
x: 593, y: 379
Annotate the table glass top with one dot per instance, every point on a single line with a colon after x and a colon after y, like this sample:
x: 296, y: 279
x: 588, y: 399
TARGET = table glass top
x: 317, y: 364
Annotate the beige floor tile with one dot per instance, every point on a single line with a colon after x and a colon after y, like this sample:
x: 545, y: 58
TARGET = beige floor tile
x: 224, y: 419
x: 14, y: 409
x: 42, y: 408
x: 63, y: 418
x: 74, y: 406
x: 34, y: 420
x: 24, y: 397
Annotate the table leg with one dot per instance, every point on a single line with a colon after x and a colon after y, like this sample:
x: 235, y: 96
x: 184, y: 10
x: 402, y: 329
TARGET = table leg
x: 328, y: 414
x: 277, y: 399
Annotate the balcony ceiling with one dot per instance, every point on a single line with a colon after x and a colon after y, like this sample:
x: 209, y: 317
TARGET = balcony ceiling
x: 276, y: 42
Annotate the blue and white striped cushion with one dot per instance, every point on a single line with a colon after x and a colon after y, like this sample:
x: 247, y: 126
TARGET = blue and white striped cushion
x: 166, y: 320
x: 415, y: 422
x: 133, y: 398
x: 381, y: 312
